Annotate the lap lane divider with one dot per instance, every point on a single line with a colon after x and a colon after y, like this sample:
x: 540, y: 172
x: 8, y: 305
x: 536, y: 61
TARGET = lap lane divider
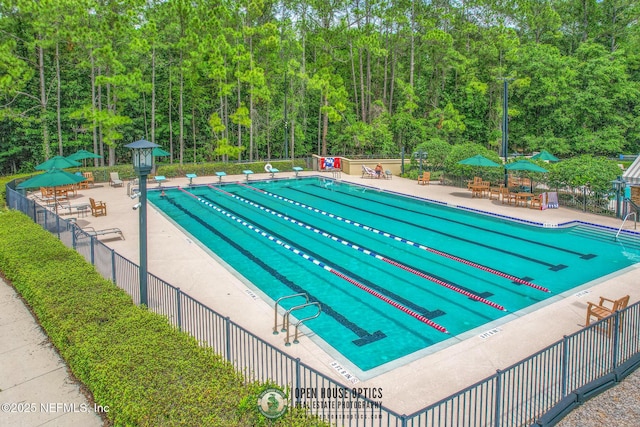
x: 429, y: 314
x: 406, y: 241
x: 534, y: 242
x: 324, y: 266
x: 552, y: 267
x: 370, y: 253
x: 364, y: 337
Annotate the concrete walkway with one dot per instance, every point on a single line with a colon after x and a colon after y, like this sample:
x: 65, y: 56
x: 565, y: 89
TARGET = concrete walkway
x: 35, y: 386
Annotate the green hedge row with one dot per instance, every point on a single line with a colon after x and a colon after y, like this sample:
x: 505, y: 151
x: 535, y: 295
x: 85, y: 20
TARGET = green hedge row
x: 4, y: 180
x: 133, y: 361
x: 101, y: 174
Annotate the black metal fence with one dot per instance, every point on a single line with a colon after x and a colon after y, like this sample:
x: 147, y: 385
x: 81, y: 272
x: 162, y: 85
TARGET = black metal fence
x: 582, y: 198
x: 516, y: 396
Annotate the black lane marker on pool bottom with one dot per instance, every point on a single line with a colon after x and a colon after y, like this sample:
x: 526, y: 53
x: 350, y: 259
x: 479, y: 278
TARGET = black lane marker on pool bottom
x: 535, y: 242
x: 434, y: 278
x: 387, y: 293
x: 364, y: 336
x: 552, y: 267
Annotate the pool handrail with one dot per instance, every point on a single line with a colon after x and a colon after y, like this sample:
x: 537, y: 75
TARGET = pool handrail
x: 287, y: 316
x: 295, y: 339
x: 629, y: 215
x: 275, y: 324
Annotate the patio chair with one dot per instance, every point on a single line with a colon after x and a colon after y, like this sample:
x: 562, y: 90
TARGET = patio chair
x: 605, y: 308
x: 367, y: 172
x: 71, y: 188
x: 495, y: 191
x: 114, y: 179
x: 536, y: 202
x: 98, y: 208
x: 425, y: 178
x: 89, y: 181
x: 92, y: 232
x: 485, y: 185
x: 81, y: 209
x: 46, y: 195
x: 476, y: 180
x: 509, y: 197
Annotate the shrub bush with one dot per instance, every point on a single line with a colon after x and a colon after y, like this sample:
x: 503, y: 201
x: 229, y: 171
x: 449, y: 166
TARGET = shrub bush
x: 133, y: 361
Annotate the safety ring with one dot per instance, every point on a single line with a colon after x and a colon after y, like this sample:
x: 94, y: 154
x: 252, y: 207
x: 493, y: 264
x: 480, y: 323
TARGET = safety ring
x: 267, y: 167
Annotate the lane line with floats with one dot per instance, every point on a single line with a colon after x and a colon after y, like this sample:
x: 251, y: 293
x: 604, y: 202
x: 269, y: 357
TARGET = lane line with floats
x: 320, y: 264
x: 403, y: 240
x: 366, y: 251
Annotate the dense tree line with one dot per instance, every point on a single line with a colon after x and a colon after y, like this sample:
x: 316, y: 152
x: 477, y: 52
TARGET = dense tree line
x: 247, y: 80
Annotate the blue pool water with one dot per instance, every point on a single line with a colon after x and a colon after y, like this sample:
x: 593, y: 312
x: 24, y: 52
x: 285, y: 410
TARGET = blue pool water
x: 393, y: 274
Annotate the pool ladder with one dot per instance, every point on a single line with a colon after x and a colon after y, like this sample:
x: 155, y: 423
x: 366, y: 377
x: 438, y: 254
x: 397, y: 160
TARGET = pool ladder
x: 286, y: 318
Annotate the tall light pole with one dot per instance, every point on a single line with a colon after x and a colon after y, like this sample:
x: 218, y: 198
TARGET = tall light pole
x: 285, y: 84
x: 505, y: 126
x: 286, y: 121
x: 142, y: 164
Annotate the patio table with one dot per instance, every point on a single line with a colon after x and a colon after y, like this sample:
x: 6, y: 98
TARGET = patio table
x: 523, y: 198
x: 478, y: 189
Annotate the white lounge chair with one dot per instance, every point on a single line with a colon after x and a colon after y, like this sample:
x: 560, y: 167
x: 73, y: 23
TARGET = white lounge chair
x: 80, y: 208
x: 114, y: 179
x: 93, y: 232
x: 368, y: 172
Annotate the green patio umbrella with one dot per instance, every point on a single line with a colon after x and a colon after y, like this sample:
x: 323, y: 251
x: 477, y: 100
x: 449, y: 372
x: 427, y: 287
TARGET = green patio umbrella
x: 159, y: 152
x: 83, y: 154
x: 545, y: 155
x: 57, y: 162
x: 479, y: 160
x: 525, y: 165
x: 52, y: 178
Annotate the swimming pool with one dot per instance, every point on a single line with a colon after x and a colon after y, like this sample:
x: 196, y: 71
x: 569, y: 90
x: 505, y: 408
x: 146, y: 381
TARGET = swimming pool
x: 394, y: 275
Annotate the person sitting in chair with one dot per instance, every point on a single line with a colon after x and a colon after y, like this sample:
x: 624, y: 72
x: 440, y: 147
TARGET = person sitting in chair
x: 378, y: 170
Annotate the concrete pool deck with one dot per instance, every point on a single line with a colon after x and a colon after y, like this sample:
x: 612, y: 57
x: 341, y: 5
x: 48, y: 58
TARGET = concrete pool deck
x: 408, y: 384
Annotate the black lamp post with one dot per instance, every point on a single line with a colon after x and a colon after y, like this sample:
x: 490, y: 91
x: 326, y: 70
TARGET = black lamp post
x: 142, y: 164
x: 286, y: 120
x: 618, y: 184
x: 422, y: 155
x: 505, y: 127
